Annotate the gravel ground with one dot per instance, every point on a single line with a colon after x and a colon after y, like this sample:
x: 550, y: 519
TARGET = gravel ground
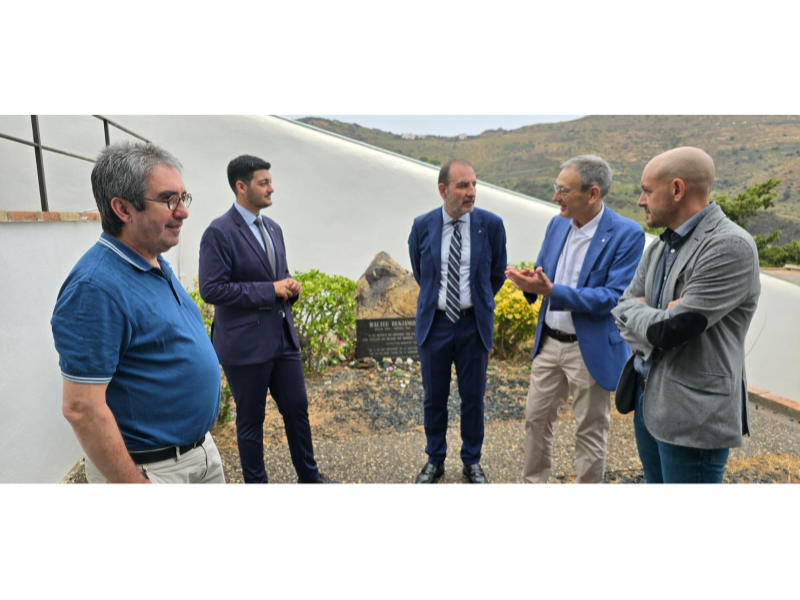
x: 367, y: 428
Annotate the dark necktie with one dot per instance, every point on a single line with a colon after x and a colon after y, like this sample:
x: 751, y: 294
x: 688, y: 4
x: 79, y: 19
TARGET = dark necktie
x: 267, y: 245
x: 453, y: 309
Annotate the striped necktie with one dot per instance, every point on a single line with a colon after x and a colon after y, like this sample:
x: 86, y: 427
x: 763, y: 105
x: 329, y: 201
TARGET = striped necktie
x: 453, y: 309
x: 267, y: 245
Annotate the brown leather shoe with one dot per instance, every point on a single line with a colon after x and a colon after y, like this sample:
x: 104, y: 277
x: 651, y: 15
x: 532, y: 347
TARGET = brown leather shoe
x: 322, y: 478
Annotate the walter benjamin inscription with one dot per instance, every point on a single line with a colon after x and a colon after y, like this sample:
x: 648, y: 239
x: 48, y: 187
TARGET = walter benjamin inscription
x: 386, y: 338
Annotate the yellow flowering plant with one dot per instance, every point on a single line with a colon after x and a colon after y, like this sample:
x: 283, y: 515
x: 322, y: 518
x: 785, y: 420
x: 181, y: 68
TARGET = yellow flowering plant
x: 514, y: 318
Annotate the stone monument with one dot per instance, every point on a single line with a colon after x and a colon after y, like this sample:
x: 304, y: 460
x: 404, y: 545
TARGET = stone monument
x: 386, y: 308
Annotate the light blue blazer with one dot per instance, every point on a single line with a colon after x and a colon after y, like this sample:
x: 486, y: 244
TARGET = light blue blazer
x: 609, y: 267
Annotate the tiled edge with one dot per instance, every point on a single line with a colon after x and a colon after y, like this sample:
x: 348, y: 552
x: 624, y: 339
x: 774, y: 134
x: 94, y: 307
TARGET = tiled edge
x: 774, y: 402
x: 24, y: 216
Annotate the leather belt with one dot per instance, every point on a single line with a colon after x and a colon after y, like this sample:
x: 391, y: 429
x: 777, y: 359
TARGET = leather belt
x: 151, y: 456
x: 560, y: 335
x: 642, y: 382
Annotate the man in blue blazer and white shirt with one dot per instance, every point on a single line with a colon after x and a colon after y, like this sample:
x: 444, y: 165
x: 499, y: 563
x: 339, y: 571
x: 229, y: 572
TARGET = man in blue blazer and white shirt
x: 588, y: 258
x: 458, y: 255
x: 243, y: 273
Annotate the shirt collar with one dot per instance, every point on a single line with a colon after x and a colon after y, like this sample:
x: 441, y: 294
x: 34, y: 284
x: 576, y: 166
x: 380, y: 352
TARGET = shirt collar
x: 248, y: 217
x: 129, y: 254
x: 589, y: 229
x: 688, y: 226
x: 465, y: 218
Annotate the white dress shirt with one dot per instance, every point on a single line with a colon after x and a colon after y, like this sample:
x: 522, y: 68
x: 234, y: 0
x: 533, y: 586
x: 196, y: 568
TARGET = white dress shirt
x: 570, y: 263
x: 463, y: 276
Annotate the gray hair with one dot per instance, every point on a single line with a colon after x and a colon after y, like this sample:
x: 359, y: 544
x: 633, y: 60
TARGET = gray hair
x: 593, y: 171
x: 123, y: 170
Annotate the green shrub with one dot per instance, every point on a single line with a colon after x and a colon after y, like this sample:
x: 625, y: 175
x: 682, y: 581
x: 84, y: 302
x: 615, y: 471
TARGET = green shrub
x: 514, y: 318
x: 325, y: 319
x: 777, y: 256
x: 225, y: 414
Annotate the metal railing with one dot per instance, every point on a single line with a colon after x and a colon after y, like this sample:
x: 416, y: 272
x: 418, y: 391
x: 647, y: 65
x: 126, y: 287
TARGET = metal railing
x: 38, y: 147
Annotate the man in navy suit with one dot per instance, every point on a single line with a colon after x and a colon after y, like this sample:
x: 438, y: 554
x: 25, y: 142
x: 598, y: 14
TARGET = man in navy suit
x: 588, y: 258
x: 243, y: 273
x: 458, y: 255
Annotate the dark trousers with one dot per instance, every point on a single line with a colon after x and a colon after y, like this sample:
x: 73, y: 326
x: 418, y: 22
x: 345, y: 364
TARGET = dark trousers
x: 283, y: 377
x: 449, y: 343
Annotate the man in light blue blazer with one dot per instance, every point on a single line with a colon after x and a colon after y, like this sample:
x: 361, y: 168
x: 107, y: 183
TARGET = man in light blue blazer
x: 458, y: 255
x: 588, y: 258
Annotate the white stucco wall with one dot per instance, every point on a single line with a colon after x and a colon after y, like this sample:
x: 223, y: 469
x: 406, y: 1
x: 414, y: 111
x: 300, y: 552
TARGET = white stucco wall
x: 773, y: 340
x: 36, y: 442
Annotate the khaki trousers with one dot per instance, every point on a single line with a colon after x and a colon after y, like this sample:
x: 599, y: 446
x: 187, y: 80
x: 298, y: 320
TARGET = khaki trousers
x: 200, y: 465
x: 558, y: 371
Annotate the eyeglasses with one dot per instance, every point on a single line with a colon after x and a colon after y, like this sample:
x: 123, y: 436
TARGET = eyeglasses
x: 173, y: 201
x: 560, y: 191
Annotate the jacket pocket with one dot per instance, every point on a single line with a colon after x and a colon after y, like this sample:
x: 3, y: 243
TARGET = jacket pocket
x: 241, y: 321
x: 701, y: 383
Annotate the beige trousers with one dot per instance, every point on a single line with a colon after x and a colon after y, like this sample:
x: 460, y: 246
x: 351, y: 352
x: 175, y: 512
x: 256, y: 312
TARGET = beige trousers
x: 557, y: 372
x: 200, y: 465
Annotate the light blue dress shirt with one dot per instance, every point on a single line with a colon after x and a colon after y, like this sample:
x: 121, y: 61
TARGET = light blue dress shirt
x: 250, y: 219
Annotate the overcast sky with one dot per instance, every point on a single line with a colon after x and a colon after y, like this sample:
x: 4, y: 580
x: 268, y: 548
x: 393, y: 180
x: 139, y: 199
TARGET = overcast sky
x: 447, y: 125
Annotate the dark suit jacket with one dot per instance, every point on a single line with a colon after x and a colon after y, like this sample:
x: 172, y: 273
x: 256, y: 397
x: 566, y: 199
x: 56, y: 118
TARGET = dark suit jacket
x: 487, y: 268
x: 236, y: 278
x: 609, y: 265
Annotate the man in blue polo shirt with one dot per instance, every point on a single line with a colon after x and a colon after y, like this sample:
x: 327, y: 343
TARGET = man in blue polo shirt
x: 141, y: 378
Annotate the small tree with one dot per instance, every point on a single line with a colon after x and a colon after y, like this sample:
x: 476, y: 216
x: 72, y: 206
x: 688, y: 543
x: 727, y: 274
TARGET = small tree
x: 748, y: 203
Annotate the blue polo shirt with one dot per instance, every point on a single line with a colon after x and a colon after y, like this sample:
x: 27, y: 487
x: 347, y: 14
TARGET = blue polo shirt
x: 121, y: 321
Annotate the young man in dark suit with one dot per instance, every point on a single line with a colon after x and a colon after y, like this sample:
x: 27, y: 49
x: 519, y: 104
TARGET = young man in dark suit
x: 243, y: 273
x: 458, y: 255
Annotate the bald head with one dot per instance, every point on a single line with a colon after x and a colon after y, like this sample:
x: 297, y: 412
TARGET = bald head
x: 691, y: 165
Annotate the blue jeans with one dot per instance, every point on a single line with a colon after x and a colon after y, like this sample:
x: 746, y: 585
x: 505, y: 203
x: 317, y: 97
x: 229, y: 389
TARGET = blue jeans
x: 668, y: 463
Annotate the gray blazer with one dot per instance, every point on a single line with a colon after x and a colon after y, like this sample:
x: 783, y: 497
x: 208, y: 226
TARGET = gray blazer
x: 696, y: 393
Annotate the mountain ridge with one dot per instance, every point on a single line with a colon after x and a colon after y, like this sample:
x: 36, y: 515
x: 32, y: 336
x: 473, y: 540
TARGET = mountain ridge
x: 747, y: 149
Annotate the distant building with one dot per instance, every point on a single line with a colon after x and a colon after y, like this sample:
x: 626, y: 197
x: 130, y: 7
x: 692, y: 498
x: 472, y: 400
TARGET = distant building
x: 462, y: 136
x: 408, y: 136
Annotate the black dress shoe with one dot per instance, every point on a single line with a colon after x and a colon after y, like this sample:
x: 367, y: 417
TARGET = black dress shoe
x: 475, y: 474
x: 322, y: 478
x: 430, y: 473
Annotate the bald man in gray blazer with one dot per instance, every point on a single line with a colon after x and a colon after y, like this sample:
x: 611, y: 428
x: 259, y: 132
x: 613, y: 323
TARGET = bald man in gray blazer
x: 685, y: 315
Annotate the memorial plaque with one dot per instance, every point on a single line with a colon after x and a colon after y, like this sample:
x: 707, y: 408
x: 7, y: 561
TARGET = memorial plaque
x: 386, y: 338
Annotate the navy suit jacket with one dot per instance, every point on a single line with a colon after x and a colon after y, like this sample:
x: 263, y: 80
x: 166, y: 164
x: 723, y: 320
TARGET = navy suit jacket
x: 486, y: 268
x: 235, y: 276
x: 608, y: 268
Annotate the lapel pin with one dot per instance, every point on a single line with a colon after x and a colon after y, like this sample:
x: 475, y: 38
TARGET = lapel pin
x: 480, y: 231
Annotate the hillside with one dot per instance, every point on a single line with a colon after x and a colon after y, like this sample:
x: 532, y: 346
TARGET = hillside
x: 746, y: 150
